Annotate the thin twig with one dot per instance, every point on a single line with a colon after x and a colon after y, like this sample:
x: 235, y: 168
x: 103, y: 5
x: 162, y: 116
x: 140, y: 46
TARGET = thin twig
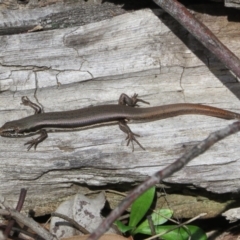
x: 21, y: 200
x: 152, y: 227
x: 107, y: 190
x: 166, y: 172
x: 34, y: 226
x: 177, y: 226
x: 72, y: 221
x: 202, y: 33
x: 25, y: 232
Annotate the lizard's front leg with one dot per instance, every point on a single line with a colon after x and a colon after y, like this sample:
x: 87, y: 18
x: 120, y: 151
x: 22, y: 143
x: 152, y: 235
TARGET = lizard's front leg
x: 27, y: 102
x: 124, y: 99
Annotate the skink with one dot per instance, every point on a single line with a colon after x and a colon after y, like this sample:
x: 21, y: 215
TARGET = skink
x: 122, y: 112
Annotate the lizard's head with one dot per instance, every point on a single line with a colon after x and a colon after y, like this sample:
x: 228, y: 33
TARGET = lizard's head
x: 16, y: 129
x: 9, y: 129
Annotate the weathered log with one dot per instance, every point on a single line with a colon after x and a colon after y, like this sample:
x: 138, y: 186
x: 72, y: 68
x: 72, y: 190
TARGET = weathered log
x: 93, y: 64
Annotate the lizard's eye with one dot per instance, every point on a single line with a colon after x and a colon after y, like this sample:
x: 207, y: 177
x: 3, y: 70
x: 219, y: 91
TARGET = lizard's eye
x: 9, y: 132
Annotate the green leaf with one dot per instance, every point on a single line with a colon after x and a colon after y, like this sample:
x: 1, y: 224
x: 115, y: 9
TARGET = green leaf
x: 195, y: 232
x: 159, y: 217
x: 140, y: 206
x: 122, y: 227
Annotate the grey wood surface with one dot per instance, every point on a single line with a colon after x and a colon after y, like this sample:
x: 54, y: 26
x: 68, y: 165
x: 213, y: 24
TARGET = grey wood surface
x: 21, y: 18
x: 232, y: 3
x: 93, y: 64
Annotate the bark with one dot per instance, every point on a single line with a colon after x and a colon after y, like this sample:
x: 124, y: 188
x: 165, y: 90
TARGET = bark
x: 75, y: 67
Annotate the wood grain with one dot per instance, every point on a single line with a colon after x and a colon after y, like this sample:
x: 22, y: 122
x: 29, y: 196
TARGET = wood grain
x: 93, y: 64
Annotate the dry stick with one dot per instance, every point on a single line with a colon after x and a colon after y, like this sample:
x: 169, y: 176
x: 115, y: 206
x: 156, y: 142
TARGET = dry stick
x: 202, y: 33
x: 27, y: 221
x: 37, y: 228
x: 176, y: 227
x: 166, y: 172
x: 18, y: 208
x: 72, y: 221
x: 152, y: 227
